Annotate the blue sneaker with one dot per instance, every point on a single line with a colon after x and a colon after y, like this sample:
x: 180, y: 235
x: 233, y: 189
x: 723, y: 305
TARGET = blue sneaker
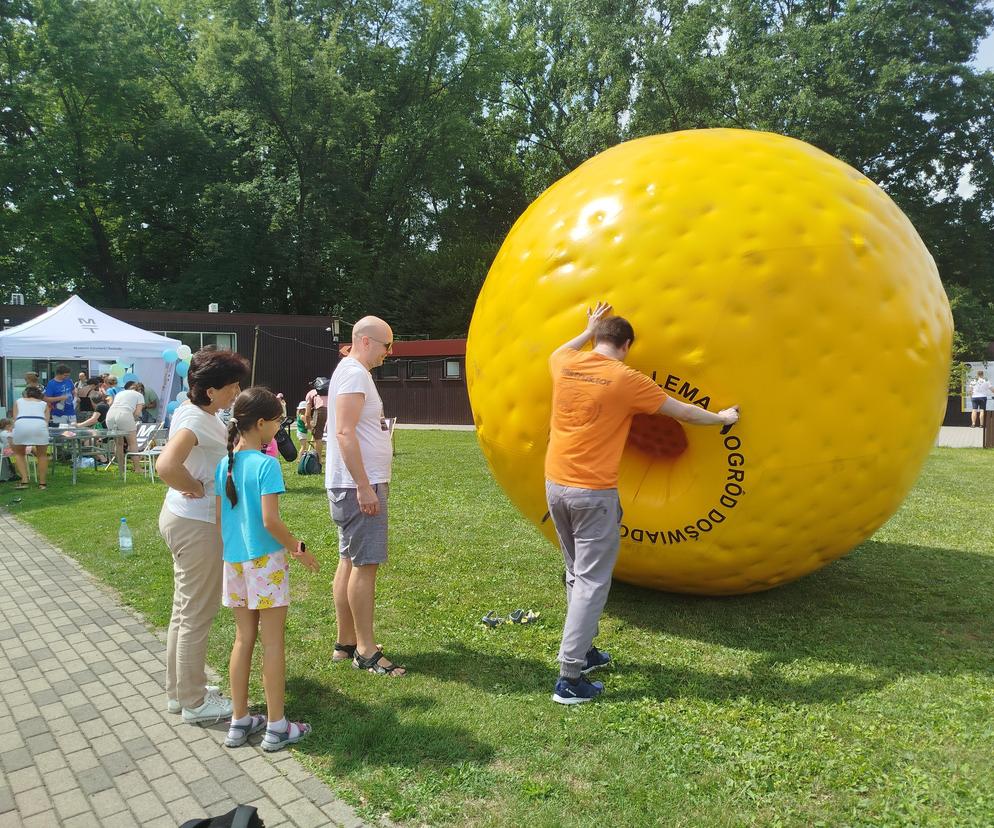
x: 596, y: 658
x: 583, y: 691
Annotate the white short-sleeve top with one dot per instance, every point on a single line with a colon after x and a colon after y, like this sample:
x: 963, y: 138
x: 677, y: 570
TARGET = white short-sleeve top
x: 212, y: 445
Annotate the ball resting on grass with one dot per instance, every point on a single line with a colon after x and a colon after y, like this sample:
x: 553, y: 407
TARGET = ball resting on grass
x: 758, y: 271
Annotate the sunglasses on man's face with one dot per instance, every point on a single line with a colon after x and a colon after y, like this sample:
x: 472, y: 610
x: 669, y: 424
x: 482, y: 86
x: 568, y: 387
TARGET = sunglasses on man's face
x: 387, y: 345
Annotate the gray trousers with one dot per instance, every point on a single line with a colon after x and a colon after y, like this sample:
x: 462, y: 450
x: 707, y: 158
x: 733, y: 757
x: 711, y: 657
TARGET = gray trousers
x: 587, y: 522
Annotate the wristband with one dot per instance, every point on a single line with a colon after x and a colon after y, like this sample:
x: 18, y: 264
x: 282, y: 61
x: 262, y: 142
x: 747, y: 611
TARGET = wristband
x: 301, y: 549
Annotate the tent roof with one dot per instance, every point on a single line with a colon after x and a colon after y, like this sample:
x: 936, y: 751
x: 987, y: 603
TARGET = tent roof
x: 74, y: 330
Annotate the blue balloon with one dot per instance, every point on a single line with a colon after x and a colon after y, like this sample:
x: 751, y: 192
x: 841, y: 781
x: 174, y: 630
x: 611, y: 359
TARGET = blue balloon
x: 170, y: 355
x: 129, y: 378
x: 182, y: 368
x: 173, y: 405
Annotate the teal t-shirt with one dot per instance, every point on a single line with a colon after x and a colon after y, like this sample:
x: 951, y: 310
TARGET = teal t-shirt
x: 255, y: 474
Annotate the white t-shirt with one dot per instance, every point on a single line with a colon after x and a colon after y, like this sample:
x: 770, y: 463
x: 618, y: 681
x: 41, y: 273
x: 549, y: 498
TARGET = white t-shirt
x: 980, y: 387
x: 128, y: 399
x: 351, y: 377
x: 212, y: 445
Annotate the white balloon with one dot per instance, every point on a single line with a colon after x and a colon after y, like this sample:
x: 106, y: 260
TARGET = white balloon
x: 181, y: 397
x: 183, y: 352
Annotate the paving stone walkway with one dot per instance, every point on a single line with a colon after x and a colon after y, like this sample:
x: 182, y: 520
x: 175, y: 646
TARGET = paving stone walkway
x: 85, y: 739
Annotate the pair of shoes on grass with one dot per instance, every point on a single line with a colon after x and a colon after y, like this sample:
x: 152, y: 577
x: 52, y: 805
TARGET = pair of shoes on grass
x: 582, y: 689
x: 518, y: 616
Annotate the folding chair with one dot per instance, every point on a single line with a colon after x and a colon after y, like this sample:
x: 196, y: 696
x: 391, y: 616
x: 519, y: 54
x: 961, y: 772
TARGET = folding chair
x: 150, y: 445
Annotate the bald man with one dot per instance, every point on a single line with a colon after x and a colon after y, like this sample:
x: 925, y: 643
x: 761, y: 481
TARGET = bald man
x: 357, y: 477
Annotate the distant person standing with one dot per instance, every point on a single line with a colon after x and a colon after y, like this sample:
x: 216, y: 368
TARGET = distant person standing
x: 316, y: 413
x: 150, y: 413
x: 31, y: 418
x: 110, y: 385
x: 980, y: 390
x: 81, y: 383
x: 59, y: 394
x: 303, y: 435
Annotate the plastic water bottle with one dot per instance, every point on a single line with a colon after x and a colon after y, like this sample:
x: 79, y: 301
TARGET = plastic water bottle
x: 124, y: 538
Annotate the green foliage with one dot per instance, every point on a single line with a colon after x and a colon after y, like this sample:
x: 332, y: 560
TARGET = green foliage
x: 373, y: 154
x: 859, y: 695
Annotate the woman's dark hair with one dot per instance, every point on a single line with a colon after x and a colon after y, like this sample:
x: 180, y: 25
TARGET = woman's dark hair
x: 34, y: 392
x: 614, y: 329
x: 253, y: 404
x: 129, y: 385
x: 211, y: 368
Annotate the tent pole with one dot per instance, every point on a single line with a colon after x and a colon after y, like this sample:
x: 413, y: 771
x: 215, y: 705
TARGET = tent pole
x: 255, y: 350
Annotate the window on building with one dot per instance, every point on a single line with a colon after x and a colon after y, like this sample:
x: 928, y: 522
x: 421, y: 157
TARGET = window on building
x: 453, y: 369
x: 417, y: 369
x: 224, y: 341
x: 195, y: 340
x: 389, y: 370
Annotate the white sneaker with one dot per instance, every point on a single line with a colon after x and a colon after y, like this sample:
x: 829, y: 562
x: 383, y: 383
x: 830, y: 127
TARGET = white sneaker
x: 214, y: 708
x: 173, y: 705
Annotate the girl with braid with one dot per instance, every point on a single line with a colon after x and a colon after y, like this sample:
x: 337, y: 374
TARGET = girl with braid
x: 257, y: 545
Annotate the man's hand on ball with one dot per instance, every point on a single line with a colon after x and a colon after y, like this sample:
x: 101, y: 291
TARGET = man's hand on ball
x: 729, y: 416
x: 596, y: 313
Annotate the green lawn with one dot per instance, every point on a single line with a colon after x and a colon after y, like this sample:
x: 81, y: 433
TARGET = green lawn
x: 861, y: 695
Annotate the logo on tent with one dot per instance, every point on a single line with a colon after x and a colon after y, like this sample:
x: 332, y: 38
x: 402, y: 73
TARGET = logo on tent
x: 89, y: 324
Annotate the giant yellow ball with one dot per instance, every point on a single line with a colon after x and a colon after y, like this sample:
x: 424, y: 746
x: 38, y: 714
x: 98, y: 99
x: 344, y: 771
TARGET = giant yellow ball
x: 756, y: 270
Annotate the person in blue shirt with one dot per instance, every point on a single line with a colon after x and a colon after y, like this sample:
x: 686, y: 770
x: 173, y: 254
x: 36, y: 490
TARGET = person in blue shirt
x: 59, y: 395
x: 256, y: 566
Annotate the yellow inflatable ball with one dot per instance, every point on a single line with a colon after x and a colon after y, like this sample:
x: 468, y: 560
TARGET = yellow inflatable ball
x: 758, y: 271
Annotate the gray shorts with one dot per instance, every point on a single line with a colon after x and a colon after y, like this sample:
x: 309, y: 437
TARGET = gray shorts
x: 361, y: 538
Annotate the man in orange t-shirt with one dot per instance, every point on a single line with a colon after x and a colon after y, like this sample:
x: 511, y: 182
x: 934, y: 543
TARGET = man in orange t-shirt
x: 594, y: 397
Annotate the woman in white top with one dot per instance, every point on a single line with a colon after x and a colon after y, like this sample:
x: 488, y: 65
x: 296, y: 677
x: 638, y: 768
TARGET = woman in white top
x: 123, y: 415
x: 31, y: 415
x: 197, y: 442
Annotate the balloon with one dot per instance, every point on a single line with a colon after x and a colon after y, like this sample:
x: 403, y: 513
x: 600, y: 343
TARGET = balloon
x: 184, y: 352
x: 182, y: 369
x: 130, y: 378
x: 117, y: 370
x: 169, y: 355
x: 755, y: 270
x: 173, y: 405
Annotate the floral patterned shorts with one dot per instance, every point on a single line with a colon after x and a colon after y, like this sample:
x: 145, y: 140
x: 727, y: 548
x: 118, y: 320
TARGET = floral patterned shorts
x: 258, y: 584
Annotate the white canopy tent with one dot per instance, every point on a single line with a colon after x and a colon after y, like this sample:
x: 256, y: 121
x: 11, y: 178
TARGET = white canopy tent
x: 76, y: 331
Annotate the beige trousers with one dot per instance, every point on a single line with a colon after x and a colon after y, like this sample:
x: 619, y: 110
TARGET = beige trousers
x: 197, y: 570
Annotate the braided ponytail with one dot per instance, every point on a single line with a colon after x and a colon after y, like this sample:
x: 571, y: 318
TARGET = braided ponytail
x: 252, y: 405
x: 229, y: 484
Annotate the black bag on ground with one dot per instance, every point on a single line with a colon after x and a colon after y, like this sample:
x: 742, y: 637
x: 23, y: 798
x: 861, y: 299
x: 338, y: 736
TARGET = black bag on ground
x: 244, y: 816
x: 285, y: 444
x: 309, y: 463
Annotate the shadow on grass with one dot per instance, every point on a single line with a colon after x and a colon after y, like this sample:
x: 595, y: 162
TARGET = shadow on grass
x: 350, y: 734
x: 894, y: 608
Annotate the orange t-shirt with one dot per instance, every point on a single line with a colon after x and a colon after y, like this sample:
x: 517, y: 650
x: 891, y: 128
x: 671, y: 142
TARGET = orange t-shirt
x: 594, y: 399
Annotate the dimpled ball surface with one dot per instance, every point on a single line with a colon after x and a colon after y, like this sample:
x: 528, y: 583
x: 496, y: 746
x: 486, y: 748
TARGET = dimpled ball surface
x: 758, y: 271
